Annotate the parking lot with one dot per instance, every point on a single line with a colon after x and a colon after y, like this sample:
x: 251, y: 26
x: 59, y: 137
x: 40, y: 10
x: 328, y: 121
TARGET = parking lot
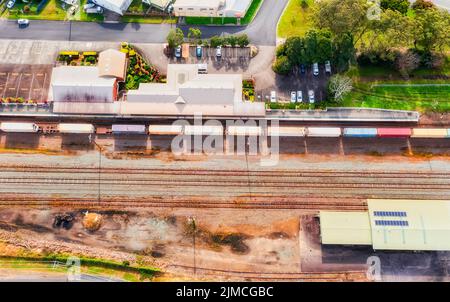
x: 29, y: 82
x: 232, y: 58
x: 304, y: 82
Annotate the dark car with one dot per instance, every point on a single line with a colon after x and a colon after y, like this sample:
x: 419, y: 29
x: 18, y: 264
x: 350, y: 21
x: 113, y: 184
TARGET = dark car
x: 302, y: 69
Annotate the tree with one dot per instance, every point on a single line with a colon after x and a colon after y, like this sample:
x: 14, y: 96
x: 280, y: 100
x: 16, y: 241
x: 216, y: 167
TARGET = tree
x: 401, y: 6
x: 422, y: 4
x: 432, y: 30
x: 341, y: 17
x: 243, y: 40
x: 282, y: 65
x: 194, y: 34
x: 343, y: 52
x: 175, y: 37
x: 216, y: 41
x: 339, y: 86
x: 406, y: 62
x: 231, y: 40
x: 294, y: 50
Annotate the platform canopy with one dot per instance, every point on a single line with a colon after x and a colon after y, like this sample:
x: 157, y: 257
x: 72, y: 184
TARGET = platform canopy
x: 391, y: 224
x: 345, y: 228
x: 422, y: 225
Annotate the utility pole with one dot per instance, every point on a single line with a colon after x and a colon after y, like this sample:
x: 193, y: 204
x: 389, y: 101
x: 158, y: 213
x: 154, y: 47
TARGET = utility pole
x: 194, y: 230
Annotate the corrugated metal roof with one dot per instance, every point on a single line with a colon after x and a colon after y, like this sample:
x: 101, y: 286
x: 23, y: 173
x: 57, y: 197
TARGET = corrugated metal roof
x: 426, y: 225
x: 244, y: 130
x: 324, y: 132
x: 165, y: 129
x: 76, y: 128
x: 429, y: 132
x: 112, y: 63
x: 345, y: 228
x: 203, y: 130
x: 286, y: 131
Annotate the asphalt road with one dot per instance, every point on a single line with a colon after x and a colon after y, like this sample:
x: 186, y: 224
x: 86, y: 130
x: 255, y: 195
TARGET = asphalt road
x: 262, y: 31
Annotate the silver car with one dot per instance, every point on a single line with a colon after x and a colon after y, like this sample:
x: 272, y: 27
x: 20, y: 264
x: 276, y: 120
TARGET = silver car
x: 311, y: 96
x: 315, y: 69
x: 299, y: 96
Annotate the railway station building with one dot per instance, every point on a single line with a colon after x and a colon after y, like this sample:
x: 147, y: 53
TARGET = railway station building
x: 416, y: 225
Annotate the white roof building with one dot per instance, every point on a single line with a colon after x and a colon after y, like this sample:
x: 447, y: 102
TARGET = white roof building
x: 117, y: 6
x: 187, y: 93
x: 159, y: 4
x: 81, y: 84
x: 211, y: 8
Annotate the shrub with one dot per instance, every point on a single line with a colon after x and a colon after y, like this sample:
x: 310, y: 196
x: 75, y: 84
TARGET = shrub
x: 282, y: 65
x: 422, y: 4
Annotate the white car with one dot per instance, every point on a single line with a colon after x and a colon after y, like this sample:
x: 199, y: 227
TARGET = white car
x: 315, y: 69
x: 89, y: 5
x: 10, y: 4
x: 219, y: 51
x: 328, y: 67
x: 293, y: 96
x: 299, y: 96
x: 311, y: 96
x: 273, y: 96
x: 23, y: 21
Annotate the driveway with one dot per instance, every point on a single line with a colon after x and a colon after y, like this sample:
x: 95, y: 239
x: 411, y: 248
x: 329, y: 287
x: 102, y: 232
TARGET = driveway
x: 262, y: 30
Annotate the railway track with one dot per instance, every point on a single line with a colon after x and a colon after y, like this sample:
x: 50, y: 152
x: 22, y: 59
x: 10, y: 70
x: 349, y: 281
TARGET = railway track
x: 201, y: 188
x: 300, y: 276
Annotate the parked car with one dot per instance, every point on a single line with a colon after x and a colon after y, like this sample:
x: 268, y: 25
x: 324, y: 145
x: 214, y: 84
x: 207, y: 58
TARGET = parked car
x: 293, y: 96
x: 273, y: 96
x: 178, y: 51
x: 199, y: 51
x: 10, y: 4
x: 302, y: 69
x: 311, y: 96
x: 88, y: 5
x: 218, y: 51
x: 299, y: 96
x: 315, y: 68
x: 23, y: 22
x: 328, y: 67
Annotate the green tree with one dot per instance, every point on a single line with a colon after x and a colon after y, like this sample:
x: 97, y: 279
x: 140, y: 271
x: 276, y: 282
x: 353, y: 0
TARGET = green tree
x: 432, y: 30
x: 216, y: 41
x: 396, y: 5
x: 243, y: 40
x: 341, y: 17
x: 318, y: 46
x: 194, y: 34
x: 231, y: 40
x: 282, y: 65
x: 343, y: 52
x: 175, y: 37
x: 422, y: 4
x: 294, y: 50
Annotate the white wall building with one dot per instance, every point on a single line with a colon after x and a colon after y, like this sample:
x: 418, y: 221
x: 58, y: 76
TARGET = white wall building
x: 187, y: 93
x: 211, y: 8
x: 117, y: 6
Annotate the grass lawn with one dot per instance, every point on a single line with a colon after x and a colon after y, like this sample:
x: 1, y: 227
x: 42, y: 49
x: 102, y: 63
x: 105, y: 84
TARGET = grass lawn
x: 150, y: 20
x: 248, y: 18
x: 406, y: 96
x: 51, y: 11
x: 295, y: 20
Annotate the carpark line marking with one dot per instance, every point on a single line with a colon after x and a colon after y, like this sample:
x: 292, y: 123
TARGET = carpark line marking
x: 2, y: 73
x: 31, y: 87
x: 18, y: 84
x: 6, y: 83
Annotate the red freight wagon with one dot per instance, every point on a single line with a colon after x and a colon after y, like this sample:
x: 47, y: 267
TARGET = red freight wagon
x: 394, y: 132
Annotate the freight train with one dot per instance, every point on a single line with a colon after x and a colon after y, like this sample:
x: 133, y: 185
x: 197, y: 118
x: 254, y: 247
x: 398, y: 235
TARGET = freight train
x: 282, y: 131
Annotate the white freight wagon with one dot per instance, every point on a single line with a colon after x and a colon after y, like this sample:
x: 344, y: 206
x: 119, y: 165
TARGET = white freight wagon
x: 165, y: 129
x: 324, y: 132
x: 286, y: 131
x: 203, y: 130
x: 76, y: 128
x: 19, y: 127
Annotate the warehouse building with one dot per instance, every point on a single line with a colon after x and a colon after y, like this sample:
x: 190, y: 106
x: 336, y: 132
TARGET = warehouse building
x: 417, y: 225
x: 187, y: 92
x: 162, y: 5
x: 88, y: 89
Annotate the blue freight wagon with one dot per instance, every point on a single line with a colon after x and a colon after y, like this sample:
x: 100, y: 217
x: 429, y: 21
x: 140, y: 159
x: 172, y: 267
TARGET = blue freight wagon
x: 360, y: 132
x: 131, y: 129
x: 448, y: 132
